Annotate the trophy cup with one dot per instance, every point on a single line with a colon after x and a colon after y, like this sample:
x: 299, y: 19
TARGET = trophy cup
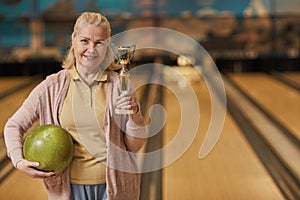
x: 123, y: 55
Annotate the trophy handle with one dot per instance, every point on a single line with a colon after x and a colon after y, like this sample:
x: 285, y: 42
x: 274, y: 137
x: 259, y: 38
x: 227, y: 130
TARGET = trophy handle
x: 133, y: 47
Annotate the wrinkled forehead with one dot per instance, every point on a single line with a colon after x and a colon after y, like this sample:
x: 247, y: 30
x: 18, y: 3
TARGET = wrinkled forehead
x: 84, y: 27
x: 92, y: 31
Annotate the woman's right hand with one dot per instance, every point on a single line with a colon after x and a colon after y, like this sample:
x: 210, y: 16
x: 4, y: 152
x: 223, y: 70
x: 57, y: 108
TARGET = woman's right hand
x: 29, y: 168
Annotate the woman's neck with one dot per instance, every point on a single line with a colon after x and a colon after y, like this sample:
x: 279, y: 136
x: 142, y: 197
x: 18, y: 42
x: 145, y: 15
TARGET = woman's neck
x: 87, y: 75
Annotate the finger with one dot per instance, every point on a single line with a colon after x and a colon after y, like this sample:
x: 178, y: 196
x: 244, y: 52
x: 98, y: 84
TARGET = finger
x: 123, y: 98
x: 134, y: 107
x: 32, y: 164
x: 129, y: 105
x: 123, y: 104
x: 35, y: 173
x: 40, y: 174
x: 125, y: 93
x: 25, y: 164
x: 29, y: 168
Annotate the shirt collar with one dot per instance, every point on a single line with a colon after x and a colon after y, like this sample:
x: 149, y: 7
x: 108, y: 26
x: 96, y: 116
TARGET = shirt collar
x: 102, y: 77
x: 73, y: 73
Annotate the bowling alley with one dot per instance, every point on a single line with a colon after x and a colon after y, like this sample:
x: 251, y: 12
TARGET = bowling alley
x: 149, y: 100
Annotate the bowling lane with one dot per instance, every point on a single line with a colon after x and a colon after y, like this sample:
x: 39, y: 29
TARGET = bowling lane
x: 7, y: 83
x: 293, y: 76
x: 11, y: 103
x: 281, y: 101
x: 20, y: 186
x: 16, y: 185
x: 231, y: 171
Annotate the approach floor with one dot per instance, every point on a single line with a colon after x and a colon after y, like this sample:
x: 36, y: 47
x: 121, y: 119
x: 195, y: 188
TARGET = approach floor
x: 232, y: 170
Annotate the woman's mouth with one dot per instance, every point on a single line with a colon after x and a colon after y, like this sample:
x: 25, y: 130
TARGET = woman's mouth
x: 90, y: 57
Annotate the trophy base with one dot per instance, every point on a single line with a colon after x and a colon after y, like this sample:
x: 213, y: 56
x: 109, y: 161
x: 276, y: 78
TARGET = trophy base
x: 123, y: 111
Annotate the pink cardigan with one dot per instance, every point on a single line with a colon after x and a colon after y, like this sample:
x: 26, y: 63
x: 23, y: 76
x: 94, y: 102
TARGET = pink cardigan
x: 45, y: 102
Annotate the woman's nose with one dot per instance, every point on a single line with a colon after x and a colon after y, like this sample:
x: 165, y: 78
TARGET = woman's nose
x: 92, y: 46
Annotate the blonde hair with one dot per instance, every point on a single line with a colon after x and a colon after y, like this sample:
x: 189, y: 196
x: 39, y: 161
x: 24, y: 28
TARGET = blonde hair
x: 91, y: 18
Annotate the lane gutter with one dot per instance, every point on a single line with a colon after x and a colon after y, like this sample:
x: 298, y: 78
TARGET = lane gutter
x: 287, y: 181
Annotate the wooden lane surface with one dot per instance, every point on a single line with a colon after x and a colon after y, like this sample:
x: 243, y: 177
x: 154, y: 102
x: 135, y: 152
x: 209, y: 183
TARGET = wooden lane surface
x: 293, y: 76
x: 11, y: 103
x: 278, y: 99
x: 231, y: 171
x: 7, y: 83
x: 17, y: 185
x: 22, y: 187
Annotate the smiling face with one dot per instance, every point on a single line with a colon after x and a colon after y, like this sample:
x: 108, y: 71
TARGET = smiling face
x: 90, y: 46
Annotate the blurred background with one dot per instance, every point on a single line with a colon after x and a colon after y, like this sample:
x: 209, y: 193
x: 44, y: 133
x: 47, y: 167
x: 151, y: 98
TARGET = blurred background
x: 255, y: 44
x: 244, y: 35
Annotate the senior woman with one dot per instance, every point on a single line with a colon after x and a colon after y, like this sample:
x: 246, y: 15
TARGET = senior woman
x: 81, y: 98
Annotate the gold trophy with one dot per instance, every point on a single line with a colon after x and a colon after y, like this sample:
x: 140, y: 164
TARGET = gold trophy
x: 123, y: 55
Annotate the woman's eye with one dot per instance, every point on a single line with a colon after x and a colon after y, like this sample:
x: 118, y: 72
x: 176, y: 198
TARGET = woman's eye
x: 85, y: 41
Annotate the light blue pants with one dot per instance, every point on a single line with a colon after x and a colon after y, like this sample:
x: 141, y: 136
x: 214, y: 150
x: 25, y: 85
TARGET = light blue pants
x: 88, y: 192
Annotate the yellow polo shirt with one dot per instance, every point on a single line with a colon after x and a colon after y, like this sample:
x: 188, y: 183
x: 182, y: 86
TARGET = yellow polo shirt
x: 83, y: 116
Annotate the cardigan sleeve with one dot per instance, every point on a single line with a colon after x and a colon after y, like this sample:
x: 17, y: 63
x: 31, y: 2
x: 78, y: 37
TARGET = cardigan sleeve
x: 18, y: 125
x: 136, y: 129
x: 44, y: 103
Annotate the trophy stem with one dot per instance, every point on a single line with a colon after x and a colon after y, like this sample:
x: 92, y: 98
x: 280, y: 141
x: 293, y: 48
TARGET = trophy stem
x: 124, y: 78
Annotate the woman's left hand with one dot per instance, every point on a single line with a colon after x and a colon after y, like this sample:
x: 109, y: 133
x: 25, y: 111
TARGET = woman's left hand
x: 127, y: 101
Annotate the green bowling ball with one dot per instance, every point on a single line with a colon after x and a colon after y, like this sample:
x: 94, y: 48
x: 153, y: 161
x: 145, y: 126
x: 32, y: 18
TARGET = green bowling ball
x: 50, y: 146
